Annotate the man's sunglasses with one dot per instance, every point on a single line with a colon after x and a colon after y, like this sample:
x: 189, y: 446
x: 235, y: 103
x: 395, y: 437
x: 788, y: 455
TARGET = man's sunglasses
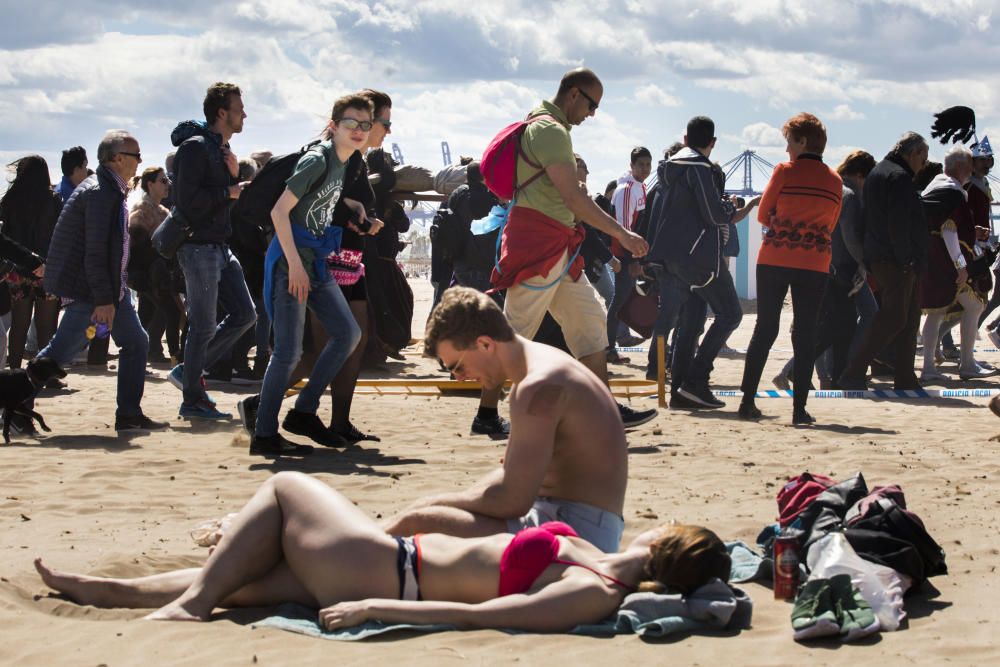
x: 352, y: 124
x: 137, y: 156
x: 387, y: 124
x: 593, y: 104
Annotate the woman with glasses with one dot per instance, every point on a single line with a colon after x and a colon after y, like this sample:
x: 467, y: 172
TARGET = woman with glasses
x: 148, y: 272
x: 29, y: 210
x: 311, y: 218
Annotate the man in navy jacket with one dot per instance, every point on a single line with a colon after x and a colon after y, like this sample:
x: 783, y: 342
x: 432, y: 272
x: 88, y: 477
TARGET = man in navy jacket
x: 86, y: 264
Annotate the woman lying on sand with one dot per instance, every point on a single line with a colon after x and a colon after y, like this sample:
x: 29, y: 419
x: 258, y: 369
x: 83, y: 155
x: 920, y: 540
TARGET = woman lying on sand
x: 298, y: 540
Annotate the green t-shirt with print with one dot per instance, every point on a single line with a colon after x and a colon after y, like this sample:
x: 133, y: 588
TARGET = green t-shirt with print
x: 547, y: 142
x: 317, y: 180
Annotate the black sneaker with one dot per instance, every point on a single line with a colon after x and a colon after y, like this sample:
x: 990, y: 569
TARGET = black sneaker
x: 632, y: 418
x: 244, y: 376
x: 750, y: 412
x: 495, y: 426
x: 277, y: 445
x: 802, y: 418
x: 138, y: 423
x: 248, y: 412
x: 681, y: 402
x: 22, y: 425
x: 351, y: 434
x: 309, y: 425
x: 701, y: 395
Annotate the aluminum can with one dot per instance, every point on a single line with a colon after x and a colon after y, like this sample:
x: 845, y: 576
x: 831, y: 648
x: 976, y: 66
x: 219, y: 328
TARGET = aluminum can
x: 786, y: 567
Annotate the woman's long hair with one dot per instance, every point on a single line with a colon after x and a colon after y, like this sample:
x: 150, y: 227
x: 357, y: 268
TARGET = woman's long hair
x: 685, y: 558
x: 148, y: 175
x: 29, y: 192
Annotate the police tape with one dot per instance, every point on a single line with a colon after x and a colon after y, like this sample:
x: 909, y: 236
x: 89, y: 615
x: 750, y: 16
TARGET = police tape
x: 871, y: 393
x: 981, y: 350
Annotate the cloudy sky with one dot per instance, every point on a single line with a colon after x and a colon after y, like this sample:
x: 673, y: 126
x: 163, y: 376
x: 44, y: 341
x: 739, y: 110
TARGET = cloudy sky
x: 459, y: 70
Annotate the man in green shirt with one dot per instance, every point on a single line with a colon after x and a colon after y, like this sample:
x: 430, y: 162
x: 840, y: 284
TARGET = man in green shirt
x: 539, y: 261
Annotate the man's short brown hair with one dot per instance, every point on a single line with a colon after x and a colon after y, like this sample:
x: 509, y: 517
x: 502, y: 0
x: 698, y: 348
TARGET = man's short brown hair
x: 809, y: 127
x: 462, y: 316
x: 217, y: 98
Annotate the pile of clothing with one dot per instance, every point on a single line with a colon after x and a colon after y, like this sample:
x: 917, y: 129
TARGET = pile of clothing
x: 860, y: 550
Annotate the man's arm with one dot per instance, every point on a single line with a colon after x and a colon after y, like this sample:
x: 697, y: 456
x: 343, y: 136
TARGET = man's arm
x: 558, y: 607
x: 563, y: 177
x: 509, y: 492
x: 851, y: 227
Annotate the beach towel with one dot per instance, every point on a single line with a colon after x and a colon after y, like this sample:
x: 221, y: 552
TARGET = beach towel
x: 714, y: 607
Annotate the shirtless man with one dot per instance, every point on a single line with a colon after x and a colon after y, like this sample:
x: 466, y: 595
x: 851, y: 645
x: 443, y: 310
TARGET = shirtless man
x: 566, y: 459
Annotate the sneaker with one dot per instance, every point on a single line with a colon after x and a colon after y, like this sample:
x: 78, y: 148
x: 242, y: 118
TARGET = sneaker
x: 814, y: 614
x: 632, y: 418
x: 994, y: 337
x: 352, y: 434
x: 495, y: 426
x: 750, y: 412
x: 629, y: 340
x: 802, y: 418
x: 218, y: 376
x: 176, y: 378
x: 928, y: 377
x: 976, y: 373
x: 277, y: 445
x: 247, y: 408
x: 138, y: 423
x: 55, y: 383
x: 701, y: 395
x: 848, y: 383
x: 951, y: 353
x: 854, y: 614
x: 615, y: 358
x: 202, y: 410
x: 679, y: 402
x: 309, y: 425
x: 782, y: 382
x: 22, y: 425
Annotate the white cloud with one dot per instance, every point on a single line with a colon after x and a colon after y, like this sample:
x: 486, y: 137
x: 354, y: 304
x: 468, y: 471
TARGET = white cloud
x: 653, y: 95
x: 757, y: 135
x: 845, y: 112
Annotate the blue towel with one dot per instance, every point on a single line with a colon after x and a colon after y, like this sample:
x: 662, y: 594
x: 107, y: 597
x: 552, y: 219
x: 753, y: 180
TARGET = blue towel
x: 323, y: 246
x: 713, y: 607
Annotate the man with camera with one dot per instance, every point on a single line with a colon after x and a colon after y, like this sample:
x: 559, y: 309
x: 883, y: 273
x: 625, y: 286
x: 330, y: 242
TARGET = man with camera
x: 687, y: 231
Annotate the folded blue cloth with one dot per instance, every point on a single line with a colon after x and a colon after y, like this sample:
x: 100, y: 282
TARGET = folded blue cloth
x: 323, y: 246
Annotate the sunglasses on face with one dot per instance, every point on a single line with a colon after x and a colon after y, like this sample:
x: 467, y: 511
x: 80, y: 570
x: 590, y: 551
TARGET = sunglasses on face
x: 352, y: 124
x: 137, y: 156
x: 387, y: 124
x: 593, y: 104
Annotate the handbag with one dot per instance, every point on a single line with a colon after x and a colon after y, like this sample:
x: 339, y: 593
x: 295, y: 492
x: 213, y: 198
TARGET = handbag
x: 171, y: 233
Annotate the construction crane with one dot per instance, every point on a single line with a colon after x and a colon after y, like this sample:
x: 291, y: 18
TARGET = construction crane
x: 744, y: 164
x: 397, y: 154
x: 445, y: 153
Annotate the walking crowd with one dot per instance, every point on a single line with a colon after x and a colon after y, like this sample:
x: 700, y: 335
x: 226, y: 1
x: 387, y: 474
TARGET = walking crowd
x: 294, y: 257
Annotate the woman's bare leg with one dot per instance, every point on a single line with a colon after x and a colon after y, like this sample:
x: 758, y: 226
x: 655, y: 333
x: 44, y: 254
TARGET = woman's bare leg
x: 276, y: 587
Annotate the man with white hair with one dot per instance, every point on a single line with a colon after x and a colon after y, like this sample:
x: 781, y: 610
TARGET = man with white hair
x: 948, y: 281
x: 86, y: 265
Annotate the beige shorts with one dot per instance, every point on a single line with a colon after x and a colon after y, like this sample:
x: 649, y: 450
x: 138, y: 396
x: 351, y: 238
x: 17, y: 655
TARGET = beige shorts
x: 574, y: 304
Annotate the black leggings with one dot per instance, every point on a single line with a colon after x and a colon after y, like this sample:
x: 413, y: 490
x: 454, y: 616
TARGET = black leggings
x: 807, y: 288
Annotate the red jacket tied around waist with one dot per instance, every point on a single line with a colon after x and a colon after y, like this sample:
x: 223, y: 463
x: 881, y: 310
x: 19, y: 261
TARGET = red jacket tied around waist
x: 532, y: 243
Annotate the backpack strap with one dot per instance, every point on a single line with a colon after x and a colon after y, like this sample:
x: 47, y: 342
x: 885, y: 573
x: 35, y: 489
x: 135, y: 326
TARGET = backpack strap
x: 524, y: 156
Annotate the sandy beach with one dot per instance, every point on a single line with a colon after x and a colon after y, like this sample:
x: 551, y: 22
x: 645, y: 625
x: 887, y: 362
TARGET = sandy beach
x: 87, y: 500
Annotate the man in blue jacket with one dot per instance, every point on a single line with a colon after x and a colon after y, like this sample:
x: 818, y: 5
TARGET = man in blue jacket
x: 86, y: 264
x: 688, y: 229
x: 205, y: 186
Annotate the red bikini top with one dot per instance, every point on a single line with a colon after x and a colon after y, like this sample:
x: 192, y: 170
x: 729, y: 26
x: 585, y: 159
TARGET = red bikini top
x: 531, y: 551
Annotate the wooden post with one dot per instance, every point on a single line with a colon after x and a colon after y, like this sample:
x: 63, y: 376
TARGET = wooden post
x: 661, y: 371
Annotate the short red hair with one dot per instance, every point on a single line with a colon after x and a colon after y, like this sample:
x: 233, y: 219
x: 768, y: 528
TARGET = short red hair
x: 809, y: 127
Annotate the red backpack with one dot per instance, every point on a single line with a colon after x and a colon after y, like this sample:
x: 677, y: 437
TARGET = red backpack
x: 499, y: 163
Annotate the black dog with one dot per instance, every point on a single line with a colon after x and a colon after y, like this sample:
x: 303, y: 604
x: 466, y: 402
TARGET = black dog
x: 18, y: 387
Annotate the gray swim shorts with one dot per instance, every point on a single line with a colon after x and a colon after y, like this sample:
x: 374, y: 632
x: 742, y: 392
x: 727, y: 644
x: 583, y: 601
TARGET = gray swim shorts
x: 601, y: 528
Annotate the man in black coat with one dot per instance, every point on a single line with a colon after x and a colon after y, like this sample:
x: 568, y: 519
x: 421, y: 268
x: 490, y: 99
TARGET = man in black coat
x: 86, y: 264
x: 896, y: 239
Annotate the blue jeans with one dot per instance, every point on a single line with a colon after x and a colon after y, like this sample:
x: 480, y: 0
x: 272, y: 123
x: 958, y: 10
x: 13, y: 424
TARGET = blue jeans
x: 624, y: 284
x: 212, y: 277
x: 71, y: 338
x: 605, y: 286
x: 329, y: 306
x: 675, y: 295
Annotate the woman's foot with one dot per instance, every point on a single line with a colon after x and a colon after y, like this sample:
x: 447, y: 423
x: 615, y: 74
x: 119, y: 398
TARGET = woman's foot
x: 750, y: 411
x: 79, y: 588
x: 179, y: 611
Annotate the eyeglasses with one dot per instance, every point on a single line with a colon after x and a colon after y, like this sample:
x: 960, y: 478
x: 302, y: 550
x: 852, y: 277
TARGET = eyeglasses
x: 456, y: 368
x: 387, y: 124
x: 137, y: 156
x: 352, y: 124
x: 593, y: 104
